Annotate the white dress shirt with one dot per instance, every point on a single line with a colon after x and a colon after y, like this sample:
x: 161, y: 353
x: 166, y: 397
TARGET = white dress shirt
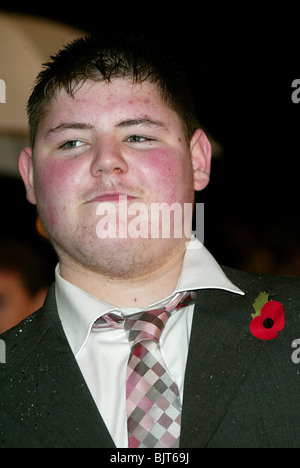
x: 102, y: 353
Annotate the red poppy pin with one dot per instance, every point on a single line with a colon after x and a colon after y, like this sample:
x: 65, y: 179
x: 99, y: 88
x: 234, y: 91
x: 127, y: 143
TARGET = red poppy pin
x: 268, y: 319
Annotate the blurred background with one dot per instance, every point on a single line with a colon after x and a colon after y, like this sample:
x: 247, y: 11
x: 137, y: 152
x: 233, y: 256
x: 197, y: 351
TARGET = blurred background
x: 241, y: 65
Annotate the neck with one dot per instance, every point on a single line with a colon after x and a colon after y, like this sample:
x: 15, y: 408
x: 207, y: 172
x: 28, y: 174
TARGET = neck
x: 148, y: 288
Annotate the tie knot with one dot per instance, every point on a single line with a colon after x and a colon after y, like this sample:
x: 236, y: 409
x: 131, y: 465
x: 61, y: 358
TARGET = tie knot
x: 150, y: 324
x: 145, y: 326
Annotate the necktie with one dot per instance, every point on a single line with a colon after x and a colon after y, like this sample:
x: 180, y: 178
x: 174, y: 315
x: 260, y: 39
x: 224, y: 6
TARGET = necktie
x: 152, y: 397
x: 153, y: 401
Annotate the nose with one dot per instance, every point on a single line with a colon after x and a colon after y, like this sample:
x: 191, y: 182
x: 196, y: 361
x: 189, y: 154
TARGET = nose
x: 108, y: 160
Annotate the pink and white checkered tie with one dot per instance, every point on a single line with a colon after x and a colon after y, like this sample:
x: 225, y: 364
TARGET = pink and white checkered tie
x: 153, y: 401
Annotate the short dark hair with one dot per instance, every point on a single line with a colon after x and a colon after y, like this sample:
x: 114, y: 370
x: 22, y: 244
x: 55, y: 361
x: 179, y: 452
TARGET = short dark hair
x: 113, y: 56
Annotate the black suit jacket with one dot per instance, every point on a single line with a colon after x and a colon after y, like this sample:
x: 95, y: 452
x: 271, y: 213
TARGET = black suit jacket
x: 239, y: 391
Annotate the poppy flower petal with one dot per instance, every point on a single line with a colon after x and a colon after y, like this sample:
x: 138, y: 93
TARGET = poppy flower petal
x: 269, y: 322
x: 259, y: 331
x: 274, y: 310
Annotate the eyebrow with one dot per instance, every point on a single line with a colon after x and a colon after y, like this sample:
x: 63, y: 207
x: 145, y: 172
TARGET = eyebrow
x: 69, y: 126
x: 143, y: 121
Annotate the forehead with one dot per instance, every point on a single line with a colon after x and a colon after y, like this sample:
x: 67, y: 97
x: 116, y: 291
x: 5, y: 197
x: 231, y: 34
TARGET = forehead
x: 104, y: 103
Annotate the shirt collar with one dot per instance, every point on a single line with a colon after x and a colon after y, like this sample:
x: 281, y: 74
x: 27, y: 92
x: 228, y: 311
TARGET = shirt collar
x: 201, y: 271
x: 78, y: 310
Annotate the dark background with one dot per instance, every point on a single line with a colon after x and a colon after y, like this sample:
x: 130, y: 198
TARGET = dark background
x: 241, y: 65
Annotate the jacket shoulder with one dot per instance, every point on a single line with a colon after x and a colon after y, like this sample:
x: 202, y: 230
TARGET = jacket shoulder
x: 24, y: 337
x: 285, y: 289
x: 275, y: 283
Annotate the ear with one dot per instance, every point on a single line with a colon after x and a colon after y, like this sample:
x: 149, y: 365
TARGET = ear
x: 200, y: 148
x: 26, y: 171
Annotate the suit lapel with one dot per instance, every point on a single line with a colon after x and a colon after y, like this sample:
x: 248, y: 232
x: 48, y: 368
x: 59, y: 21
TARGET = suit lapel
x: 48, y: 394
x: 221, y: 352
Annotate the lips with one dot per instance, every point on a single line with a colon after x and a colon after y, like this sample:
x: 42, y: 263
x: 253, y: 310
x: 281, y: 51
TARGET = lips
x: 113, y: 197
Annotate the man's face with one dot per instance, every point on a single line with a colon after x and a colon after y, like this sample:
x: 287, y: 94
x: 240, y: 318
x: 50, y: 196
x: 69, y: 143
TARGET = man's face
x: 109, y: 140
x: 15, y: 301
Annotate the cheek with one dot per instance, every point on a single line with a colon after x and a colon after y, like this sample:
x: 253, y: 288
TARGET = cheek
x: 169, y: 175
x: 54, y: 185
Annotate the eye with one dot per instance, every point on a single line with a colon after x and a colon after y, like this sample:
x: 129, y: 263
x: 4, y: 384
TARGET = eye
x: 139, y: 139
x: 71, y: 144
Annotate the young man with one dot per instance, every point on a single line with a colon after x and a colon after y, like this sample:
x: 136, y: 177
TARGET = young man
x: 114, y: 139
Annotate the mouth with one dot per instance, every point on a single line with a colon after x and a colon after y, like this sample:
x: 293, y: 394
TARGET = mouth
x: 113, y: 197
